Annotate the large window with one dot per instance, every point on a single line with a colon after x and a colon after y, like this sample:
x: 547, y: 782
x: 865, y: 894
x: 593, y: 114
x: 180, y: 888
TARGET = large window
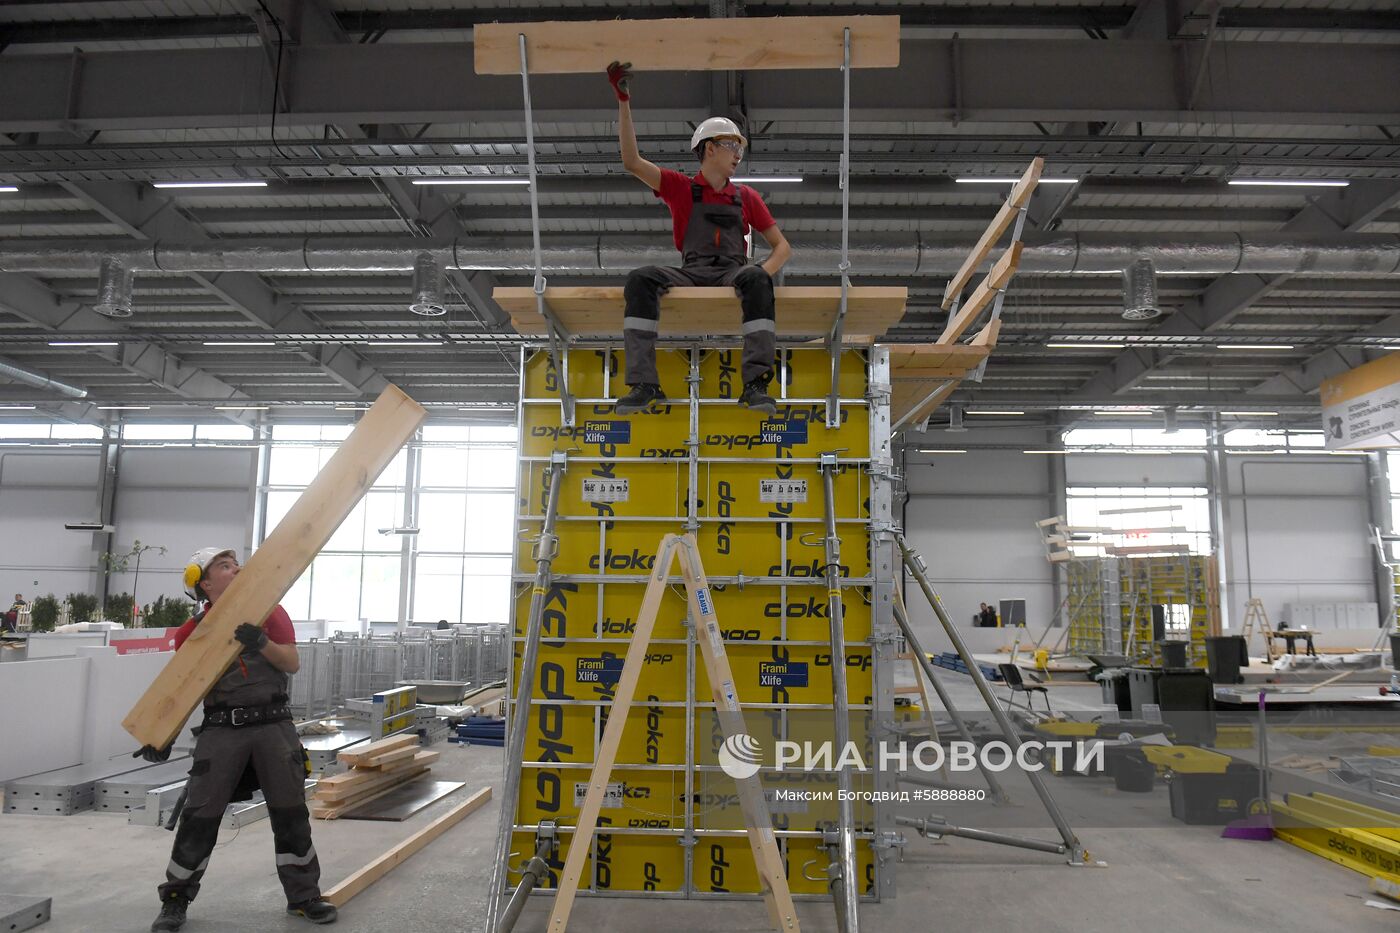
x: 1139, y: 516
x: 460, y: 499
x: 1122, y: 438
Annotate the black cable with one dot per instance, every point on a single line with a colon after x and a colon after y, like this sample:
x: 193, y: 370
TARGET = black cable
x: 276, y: 80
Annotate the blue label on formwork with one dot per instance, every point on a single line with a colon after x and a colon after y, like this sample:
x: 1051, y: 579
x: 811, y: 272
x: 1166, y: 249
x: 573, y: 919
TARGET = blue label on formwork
x: 599, y: 670
x: 607, y: 432
x: 782, y: 674
x: 785, y: 433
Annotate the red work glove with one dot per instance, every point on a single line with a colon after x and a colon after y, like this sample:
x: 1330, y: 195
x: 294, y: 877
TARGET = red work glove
x: 619, y: 74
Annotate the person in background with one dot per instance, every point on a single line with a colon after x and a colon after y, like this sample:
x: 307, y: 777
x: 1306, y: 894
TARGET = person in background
x: 11, y: 618
x: 988, y: 616
x: 247, y: 733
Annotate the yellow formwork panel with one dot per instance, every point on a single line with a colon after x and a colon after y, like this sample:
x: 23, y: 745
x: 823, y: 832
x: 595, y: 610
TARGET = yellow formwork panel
x: 655, y: 734
x: 793, y: 674
x: 757, y: 549
x: 627, y: 484
x: 583, y: 671
x: 724, y: 865
x: 781, y: 491
x: 571, y: 611
x: 635, y: 799
x: 793, y: 431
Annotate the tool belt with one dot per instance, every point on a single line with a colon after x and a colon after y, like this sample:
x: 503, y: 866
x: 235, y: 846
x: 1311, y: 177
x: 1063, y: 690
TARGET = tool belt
x: 237, y: 716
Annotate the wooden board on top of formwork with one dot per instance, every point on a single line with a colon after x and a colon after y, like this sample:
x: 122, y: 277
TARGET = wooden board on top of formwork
x: 800, y: 310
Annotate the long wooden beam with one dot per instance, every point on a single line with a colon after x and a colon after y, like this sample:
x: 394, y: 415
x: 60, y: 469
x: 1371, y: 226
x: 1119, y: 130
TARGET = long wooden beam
x: 1020, y: 194
x: 270, y: 572
x: 341, y: 893
x: 996, y: 281
x: 748, y: 44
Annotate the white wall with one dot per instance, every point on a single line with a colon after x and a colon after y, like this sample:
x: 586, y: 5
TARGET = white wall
x: 39, y: 491
x: 1300, y: 534
x: 181, y: 499
x: 972, y: 517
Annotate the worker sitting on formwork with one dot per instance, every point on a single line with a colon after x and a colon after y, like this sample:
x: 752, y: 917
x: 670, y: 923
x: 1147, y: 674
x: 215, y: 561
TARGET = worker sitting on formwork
x: 710, y: 217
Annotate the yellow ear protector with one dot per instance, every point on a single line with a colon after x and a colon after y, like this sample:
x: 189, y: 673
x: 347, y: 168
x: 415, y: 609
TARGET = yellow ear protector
x: 193, y: 574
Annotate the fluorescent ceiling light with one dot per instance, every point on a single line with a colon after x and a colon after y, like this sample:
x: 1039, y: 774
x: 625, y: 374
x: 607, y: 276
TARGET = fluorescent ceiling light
x: 767, y: 179
x: 1288, y: 182
x: 8, y: 188
x: 16, y: 407
x: 1045, y: 451
x: 1252, y: 414
x: 82, y: 343
x: 240, y: 343
x: 939, y: 450
x: 1011, y: 181
x: 1125, y: 411
x: 240, y: 408
x: 1085, y: 346
x: 404, y: 343
x: 993, y: 411
x: 208, y: 184
x: 123, y: 408
x: 351, y: 407
x: 1390, y: 348
x: 1254, y: 346
x: 470, y: 180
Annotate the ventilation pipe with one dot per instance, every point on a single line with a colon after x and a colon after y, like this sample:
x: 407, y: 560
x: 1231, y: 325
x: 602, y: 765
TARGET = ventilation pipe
x: 428, y: 286
x: 39, y: 381
x: 1140, y: 291
x: 904, y: 256
x: 114, y: 281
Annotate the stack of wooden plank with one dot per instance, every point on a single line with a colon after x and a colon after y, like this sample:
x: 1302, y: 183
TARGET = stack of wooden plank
x: 375, y: 769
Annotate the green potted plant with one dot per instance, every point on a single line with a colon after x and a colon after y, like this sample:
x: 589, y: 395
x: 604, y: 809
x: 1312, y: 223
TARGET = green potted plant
x: 43, y: 613
x: 83, y: 606
x: 131, y: 560
x: 118, y: 609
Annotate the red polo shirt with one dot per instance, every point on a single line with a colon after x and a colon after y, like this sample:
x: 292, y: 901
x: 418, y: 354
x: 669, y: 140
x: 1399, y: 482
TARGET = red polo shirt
x: 278, y: 627
x: 675, y: 191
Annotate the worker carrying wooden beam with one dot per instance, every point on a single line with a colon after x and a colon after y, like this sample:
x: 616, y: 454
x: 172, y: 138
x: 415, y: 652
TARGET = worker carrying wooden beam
x: 710, y: 216
x: 247, y: 741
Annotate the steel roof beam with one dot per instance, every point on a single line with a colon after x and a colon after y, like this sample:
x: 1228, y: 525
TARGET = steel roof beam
x: 1077, y: 80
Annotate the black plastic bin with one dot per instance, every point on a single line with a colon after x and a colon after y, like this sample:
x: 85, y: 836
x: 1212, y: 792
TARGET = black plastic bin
x: 1173, y: 653
x: 1214, y: 799
x: 1225, y: 655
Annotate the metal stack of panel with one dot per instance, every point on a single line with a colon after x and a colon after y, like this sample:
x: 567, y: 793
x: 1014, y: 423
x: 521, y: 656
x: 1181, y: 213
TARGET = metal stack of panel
x: 751, y: 489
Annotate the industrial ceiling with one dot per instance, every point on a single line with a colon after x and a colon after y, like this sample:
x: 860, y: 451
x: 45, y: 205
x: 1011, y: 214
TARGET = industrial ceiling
x: 1145, y: 113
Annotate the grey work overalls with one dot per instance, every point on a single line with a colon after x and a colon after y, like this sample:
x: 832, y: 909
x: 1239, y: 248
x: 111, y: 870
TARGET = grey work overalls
x: 221, y: 755
x: 712, y: 253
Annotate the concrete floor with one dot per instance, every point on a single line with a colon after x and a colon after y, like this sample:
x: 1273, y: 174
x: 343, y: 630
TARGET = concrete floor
x: 1161, y: 876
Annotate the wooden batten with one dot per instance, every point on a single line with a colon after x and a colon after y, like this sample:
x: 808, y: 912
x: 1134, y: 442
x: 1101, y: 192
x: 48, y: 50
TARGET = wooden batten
x: 751, y: 44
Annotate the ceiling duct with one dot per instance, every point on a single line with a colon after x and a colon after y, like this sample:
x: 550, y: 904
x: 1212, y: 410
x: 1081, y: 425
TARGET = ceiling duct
x: 428, y: 286
x: 114, y: 281
x: 894, y: 255
x: 39, y: 381
x: 1140, y: 292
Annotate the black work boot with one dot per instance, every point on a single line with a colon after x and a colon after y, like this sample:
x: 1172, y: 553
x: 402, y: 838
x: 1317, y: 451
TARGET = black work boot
x: 317, y: 910
x: 172, y: 914
x: 640, y: 398
x: 756, y: 397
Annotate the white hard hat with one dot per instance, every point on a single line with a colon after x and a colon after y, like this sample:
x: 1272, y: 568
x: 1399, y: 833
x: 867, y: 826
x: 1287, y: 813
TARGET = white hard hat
x: 716, y: 126
x: 199, y: 562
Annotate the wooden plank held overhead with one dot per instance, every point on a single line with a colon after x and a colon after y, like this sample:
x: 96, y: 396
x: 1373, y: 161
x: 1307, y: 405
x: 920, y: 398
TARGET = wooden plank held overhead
x: 273, y: 568
x: 748, y: 44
